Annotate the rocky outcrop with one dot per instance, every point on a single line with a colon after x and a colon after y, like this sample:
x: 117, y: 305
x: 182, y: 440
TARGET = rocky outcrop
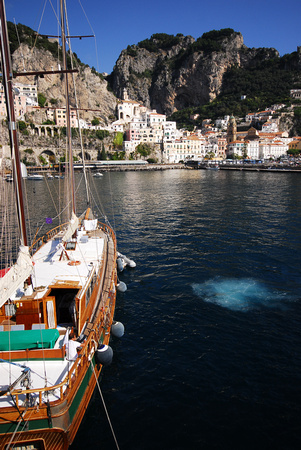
x: 166, y: 73
x: 188, y: 73
x: 94, y: 99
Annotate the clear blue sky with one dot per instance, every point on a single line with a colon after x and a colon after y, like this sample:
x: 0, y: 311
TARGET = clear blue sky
x: 117, y: 24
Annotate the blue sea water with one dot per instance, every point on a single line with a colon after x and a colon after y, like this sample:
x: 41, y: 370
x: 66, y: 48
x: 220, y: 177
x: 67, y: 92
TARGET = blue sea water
x: 211, y: 354
x: 210, y: 358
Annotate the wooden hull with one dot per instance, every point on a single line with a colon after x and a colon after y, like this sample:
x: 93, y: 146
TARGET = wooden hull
x: 53, y: 423
x: 53, y: 439
x: 54, y: 428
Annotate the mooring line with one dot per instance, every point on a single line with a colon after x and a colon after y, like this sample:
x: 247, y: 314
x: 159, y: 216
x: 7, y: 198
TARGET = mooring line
x: 105, y: 408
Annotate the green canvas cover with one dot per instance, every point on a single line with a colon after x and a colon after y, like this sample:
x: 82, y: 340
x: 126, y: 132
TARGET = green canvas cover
x: 28, y: 339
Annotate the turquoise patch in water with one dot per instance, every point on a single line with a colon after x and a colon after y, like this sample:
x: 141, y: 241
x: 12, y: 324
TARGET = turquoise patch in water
x: 237, y: 294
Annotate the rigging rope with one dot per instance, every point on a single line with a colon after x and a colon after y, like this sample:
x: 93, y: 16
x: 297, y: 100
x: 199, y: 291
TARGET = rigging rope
x: 37, y: 35
x: 27, y: 208
x: 105, y: 408
x: 17, y: 33
x: 112, y: 203
x: 97, y: 65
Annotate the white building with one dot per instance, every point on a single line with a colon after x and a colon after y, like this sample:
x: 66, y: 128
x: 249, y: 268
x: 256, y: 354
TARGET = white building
x: 295, y: 93
x: 118, y: 125
x: 236, y: 148
x: 222, y: 123
x: 252, y: 149
x: 30, y: 91
x: 270, y: 126
x: 272, y: 149
x: 129, y: 146
x: 190, y: 147
x: 128, y: 109
x: 155, y: 119
x: 170, y: 132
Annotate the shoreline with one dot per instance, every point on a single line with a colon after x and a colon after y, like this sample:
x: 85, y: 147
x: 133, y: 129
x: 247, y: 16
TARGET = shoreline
x: 95, y: 167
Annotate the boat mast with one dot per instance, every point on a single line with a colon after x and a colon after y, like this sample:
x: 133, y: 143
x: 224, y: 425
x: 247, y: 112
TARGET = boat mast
x: 69, y: 142
x: 14, y: 145
x: 77, y: 110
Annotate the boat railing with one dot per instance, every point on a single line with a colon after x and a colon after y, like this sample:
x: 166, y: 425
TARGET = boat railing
x: 38, y: 242
x: 77, y: 369
x: 64, y: 386
x: 101, y: 326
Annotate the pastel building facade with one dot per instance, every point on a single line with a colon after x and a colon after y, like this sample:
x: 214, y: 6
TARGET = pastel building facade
x: 191, y: 147
x: 61, y: 118
x: 19, y: 101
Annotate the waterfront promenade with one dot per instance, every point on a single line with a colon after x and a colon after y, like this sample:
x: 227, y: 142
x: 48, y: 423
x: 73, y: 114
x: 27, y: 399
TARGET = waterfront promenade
x: 97, y: 166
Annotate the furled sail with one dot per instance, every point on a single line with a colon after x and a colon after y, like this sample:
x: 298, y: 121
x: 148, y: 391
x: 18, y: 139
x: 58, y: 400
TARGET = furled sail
x: 16, y: 275
x: 72, y: 227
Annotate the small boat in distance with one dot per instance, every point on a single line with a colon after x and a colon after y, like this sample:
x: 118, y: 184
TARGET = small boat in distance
x: 97, y: 175
x: 215, y: 167
x: 35, y: 176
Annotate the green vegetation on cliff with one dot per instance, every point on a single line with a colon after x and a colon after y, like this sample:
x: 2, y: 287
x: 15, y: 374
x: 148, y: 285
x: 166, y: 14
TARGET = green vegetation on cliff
x: 211, y: 41
x: 208, y: 42
x: 160, y: 41
x: 264, y: 84
x: 30, y: 37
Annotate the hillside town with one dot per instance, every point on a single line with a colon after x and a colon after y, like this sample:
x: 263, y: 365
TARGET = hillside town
x: 217, y: 141
x: 139, y: 125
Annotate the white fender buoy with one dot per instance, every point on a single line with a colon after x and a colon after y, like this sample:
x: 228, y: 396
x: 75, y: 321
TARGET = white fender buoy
x: 117, y: 329
x: 127, y: 261
x: 120, y: 265
x: 121, y: 286
x: 104, y: 355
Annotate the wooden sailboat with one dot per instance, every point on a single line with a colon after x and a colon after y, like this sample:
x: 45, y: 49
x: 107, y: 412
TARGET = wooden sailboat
x: 57, y: 306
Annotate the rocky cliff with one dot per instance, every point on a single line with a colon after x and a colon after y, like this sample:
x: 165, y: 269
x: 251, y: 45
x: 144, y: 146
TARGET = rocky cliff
x: 94, y: 99
x: 169, y: 73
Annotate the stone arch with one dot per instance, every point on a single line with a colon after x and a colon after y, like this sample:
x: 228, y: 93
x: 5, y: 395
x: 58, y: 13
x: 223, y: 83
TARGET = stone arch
x: 37, y: 131
x: 48, y: 131
x: 49, y: 155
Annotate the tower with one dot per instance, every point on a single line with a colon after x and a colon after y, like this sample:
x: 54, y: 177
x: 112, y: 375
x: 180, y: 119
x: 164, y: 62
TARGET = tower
x: 231, y: 130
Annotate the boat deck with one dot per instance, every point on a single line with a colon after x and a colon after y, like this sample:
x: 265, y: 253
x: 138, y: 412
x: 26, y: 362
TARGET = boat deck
x: 51, y: 263
x: 53, y: 370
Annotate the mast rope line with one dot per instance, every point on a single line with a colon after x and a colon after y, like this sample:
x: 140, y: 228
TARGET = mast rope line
x: 53, y: 218
x: 13, y: 363
x: 24, y: 426
x: 25, y: 423
x: 98, y: 201
x: 95, y: 42
x: 104, y: 405
x: 20, y: 365
x: 38, y: 28
x: 15, y: 432
x: 17, y: 33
